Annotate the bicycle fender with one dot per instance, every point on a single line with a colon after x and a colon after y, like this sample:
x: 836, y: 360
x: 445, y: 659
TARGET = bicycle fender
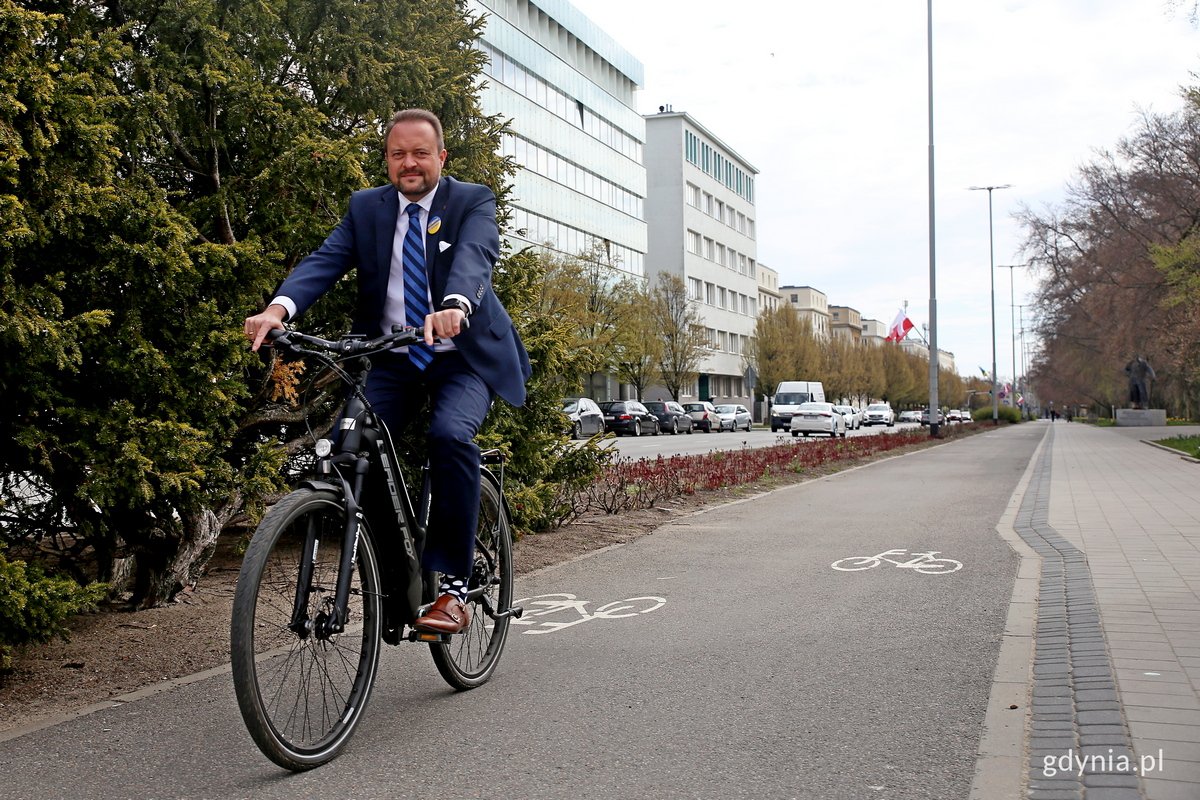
x: 319, y: 486
x: 491, y: 476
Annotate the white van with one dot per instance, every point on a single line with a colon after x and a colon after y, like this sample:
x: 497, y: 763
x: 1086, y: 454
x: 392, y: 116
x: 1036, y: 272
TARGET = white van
x: 788, y: 397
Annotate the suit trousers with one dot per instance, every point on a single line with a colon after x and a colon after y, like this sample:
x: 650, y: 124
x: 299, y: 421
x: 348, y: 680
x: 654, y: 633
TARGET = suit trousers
x: 458, y: 400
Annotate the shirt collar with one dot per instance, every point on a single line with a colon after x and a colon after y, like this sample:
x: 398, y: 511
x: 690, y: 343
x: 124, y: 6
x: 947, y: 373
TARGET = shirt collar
x: 426, y: 202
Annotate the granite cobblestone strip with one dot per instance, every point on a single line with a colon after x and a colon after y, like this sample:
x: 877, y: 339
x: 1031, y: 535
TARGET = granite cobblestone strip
x: 1079, y: 744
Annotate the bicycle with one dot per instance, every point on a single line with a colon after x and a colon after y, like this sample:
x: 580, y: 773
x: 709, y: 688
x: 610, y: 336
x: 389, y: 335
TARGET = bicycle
x: 328, y: 576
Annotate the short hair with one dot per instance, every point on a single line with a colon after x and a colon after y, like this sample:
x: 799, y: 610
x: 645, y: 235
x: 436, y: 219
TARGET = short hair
x: 416, y: 115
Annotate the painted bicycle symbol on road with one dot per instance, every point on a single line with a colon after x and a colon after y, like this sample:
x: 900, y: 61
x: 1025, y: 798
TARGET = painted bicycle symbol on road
x: 572, y: 611
x: 925, y: 563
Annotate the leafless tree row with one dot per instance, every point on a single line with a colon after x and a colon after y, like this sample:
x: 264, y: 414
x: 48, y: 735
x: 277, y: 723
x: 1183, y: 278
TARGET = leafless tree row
x: 1119, y: 270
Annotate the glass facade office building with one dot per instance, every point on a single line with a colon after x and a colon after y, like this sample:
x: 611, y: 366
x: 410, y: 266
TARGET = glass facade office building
x: 568, y: 90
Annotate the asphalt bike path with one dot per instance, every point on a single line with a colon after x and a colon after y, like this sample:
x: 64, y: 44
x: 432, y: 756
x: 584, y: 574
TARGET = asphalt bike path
x: 722, y: 656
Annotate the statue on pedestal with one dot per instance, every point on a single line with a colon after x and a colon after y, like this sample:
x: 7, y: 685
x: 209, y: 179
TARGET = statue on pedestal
x: 1140, y: 373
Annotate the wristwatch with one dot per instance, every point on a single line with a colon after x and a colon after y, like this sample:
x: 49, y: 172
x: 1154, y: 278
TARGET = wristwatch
x: 461, y: 305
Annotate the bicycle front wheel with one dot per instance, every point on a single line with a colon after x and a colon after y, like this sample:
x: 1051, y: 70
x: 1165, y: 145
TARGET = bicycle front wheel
x: 470, y: 658
x: 302, y: 691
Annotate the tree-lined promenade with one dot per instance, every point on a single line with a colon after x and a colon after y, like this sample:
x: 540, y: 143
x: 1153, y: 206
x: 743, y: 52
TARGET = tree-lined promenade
x: 165, y: 166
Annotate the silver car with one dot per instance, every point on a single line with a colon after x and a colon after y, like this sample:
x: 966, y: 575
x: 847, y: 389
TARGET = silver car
x: 734, y: 417
x: 818, y: 418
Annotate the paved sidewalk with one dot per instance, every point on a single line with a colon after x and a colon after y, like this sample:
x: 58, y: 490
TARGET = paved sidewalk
x: 1133, y: 512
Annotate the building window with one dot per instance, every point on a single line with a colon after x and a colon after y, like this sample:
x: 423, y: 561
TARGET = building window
x: 693, y: 196
x: 693, y: 242
x: 695, y: 289
x: 710, y: 294
x: 709, y: 248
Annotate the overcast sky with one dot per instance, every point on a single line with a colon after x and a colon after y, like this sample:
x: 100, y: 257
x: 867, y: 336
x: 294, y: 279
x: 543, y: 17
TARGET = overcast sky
x: 829, y: 101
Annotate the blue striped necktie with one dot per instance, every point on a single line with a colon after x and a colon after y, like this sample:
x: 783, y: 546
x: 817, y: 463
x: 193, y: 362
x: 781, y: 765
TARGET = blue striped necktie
x: 416, y: 285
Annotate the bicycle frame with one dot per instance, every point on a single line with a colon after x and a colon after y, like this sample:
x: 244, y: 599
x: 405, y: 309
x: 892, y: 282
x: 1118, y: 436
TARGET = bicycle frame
x: 365, y: 444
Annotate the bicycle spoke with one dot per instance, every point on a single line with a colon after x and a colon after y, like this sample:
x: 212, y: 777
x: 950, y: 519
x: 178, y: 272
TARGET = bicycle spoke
x: 301, y: 694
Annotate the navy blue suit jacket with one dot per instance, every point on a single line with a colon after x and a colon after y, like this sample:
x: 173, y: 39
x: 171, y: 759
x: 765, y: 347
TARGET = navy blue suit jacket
x: 460, y: 251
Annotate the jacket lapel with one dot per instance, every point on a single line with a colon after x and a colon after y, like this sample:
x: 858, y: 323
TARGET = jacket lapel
x: 385, y: 233
x: 435, y: 229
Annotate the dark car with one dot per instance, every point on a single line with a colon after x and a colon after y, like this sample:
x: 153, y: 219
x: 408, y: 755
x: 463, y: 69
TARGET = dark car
x: 628, y: 416
x: 937, y: 416
x: 671, y: 416
x: 586, y: 417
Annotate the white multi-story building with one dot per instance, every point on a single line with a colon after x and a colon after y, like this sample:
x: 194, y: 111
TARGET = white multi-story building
x: 700, y: 205
x: 811, y: 304
x: 567, y: 89
x: 874, y: 331
x: 769, y: 297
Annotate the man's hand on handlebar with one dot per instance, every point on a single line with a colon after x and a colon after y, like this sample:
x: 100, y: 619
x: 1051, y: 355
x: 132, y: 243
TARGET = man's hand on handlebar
x: 257, y: 326
x: 445, y: 324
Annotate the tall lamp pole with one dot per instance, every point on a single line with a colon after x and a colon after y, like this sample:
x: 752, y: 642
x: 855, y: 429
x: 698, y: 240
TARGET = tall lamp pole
x: 1024, y: 369
x: 1012, y: 307
x: 992, y: 279
x: 934, y: 405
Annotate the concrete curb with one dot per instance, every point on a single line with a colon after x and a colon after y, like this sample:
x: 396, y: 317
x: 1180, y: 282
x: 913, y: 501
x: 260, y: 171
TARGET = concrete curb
x: 1172, y: 451
x: 1000, y: 762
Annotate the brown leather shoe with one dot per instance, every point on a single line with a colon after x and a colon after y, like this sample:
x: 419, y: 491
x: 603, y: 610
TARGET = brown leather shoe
x: 446, y: 615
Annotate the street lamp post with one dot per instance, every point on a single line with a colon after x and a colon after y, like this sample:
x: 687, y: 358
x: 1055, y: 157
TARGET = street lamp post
x: 992, y: 280
x: 1024, y: 367
x: 1012, y: 307
x: 934, y: 405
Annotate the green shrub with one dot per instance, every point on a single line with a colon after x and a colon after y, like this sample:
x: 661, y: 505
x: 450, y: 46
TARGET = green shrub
x: 1005, y: 414
x: 34, y: 606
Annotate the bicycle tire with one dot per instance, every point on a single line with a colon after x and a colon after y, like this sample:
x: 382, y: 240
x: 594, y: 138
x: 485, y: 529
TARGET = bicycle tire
x: 470, y: 658
x: 301, y: 697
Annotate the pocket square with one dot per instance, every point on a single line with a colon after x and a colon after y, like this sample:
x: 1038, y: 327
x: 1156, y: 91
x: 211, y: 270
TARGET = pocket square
x: 443, y: 246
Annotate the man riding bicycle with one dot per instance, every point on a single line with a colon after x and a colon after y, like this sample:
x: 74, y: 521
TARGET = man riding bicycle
x: 424, y: 247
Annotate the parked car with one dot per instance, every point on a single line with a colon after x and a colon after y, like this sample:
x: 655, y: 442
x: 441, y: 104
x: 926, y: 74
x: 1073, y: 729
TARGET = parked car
x: 788, y: 397
x: 937, y: 416
x: 910, y: 416
x: 853, y: 419
x: 671, y: 416
x: 734, y: 417
x: 818, y: 418
x: 628, y: 417
x: 954, y: 415
x: 879, y: 414
x: 704, y: 415
x: 585, y: 416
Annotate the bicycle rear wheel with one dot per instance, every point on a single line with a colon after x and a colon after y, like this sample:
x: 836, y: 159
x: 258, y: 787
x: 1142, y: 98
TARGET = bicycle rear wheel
x: 470, y: 658
x: 302, y: 693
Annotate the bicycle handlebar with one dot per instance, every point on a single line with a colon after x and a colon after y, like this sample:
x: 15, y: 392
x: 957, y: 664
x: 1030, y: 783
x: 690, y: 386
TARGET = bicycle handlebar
x: 347, y: 345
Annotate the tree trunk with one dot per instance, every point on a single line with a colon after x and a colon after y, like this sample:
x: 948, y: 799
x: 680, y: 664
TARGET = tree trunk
x: 179, y: 563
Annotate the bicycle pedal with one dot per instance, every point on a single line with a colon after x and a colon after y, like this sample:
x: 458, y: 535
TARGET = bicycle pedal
x: 429, y: 638
x: 513, y: 611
